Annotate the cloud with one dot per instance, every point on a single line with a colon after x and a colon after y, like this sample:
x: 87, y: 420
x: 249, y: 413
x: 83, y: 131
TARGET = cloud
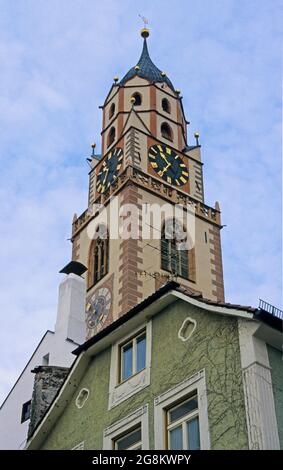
x: 58, y: 62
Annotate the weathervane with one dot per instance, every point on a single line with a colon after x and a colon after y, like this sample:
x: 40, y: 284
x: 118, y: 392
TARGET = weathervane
x: 145, y: 21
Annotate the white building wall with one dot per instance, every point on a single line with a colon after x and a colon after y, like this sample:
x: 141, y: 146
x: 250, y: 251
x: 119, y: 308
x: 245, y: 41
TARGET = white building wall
x: 258, y: 391
x: 69, y: 332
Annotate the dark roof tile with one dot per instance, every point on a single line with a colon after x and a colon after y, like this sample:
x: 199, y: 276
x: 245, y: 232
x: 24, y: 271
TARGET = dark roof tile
x: 147, y: 70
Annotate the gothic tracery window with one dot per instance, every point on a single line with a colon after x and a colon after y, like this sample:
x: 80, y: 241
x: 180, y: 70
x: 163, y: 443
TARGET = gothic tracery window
x: 98, y: 257
x: 174, y: 252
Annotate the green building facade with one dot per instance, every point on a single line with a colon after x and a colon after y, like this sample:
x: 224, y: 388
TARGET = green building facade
x: 194, y: 349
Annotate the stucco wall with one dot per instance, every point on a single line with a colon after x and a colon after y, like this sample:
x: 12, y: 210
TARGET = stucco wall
x: 213, y: 346
x: 276, y: 364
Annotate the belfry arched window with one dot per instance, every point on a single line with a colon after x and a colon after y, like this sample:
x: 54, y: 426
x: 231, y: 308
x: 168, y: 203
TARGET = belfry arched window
x: 174, y: 252
x: 98, y: 256
x: 111, y: 110
x: 166, y: 106
x: 111, y: 136
x: 166, y: 131
x: 138, y: 99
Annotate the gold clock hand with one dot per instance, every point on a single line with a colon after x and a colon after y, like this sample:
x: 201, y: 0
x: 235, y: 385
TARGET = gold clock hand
x: 106, y: 173
x: 165, y: 169
x: 164, y: 158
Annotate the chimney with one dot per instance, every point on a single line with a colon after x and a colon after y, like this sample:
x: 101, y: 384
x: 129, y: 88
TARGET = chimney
x: 48, y: 380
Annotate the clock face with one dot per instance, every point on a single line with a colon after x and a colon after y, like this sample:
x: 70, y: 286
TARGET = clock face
x: 97, y: 308
x: 109, y: 170
x: 168, y: 165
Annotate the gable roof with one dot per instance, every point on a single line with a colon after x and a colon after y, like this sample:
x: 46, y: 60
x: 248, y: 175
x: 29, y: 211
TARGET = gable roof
x: 48, y: 332
x: 167, y: 294
x: 166, y: 288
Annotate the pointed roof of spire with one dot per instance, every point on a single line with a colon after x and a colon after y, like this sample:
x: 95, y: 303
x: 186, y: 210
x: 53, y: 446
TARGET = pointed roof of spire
x: 145, y: 68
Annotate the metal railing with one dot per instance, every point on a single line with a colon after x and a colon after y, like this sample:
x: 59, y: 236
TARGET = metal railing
x: 276, y: 312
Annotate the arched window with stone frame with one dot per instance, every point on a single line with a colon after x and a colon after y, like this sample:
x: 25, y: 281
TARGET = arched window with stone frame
x: 174, y: 252
x: 98, y: 261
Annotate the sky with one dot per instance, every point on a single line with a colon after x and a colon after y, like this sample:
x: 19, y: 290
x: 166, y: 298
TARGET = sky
x: 58, y: 60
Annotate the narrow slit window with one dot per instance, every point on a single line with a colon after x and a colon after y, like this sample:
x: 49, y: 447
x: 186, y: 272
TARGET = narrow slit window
x: 111, y: 136
x: 112, y: 110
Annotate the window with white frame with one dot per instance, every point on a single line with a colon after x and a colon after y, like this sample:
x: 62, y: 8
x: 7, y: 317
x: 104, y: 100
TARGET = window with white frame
x: 132, y: 356
x: 181, y: 417
x: 182, y: 423
x: 132, y: 440
x: 129, y: 433
x: 130, y: 364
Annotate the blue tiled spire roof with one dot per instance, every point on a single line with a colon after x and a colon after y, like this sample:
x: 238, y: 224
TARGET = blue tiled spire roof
x: 146, y: 69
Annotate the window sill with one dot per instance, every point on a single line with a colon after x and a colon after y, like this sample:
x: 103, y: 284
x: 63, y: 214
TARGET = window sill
x: 119, y: 392
x: 97, y: 282
x: 130, y: 387
x: 129, y: 378
x: 178, y: 275
x: 167, y: 138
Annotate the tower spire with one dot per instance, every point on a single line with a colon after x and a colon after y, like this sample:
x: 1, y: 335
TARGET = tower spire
x: 145, y: 68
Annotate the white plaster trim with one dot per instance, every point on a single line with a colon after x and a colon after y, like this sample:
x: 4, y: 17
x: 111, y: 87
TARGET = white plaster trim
x: 184, y: 326
x: 120, y: 392
x: 78, y: 399
x: 195, y: 382
x: 213, y: 308
x: 258, y: 391
x: 79, y: 446
x: 120, y: 427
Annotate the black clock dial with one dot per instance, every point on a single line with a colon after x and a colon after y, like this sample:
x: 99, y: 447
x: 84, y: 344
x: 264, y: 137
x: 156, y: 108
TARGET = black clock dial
x: 168, y: 165
x: 109, y: 170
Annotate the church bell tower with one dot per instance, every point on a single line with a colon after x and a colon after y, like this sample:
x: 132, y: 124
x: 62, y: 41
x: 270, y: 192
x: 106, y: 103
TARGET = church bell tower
x: 146, y: 160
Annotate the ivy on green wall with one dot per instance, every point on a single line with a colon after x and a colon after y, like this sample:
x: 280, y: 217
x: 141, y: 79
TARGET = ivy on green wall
x: 213, y: 346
